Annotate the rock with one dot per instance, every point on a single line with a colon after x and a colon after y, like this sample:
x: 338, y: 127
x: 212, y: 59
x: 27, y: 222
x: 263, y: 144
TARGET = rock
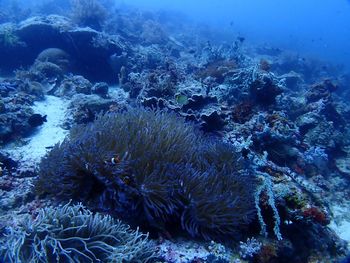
x: 14, y: 120
x: 242, y: 112
x: 118, y: 61
x: 36, y: 89
x: 307, y: 121
x: 2, y: 106
x: 213, y: 120
x: 198, y: 101
x: 19, y: 125
x: 74, y: 85
x: 154, y: 102
x: 44, y: 25
x: 56, y: 56
x: 101, y: 89
x: 320, y: 91
x: 343, y: 162
x: 324, y: 135
x: 93, y: 48
x: 85, y: 46
x: 84, y: 108
x: 292, y: 80
x: 7, y: 162
x: 264, y: 91
x: 6, y: 88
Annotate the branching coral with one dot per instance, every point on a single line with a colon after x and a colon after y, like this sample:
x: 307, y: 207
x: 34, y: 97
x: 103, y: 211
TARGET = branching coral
x: 155, y: 168
x: 72, y: 233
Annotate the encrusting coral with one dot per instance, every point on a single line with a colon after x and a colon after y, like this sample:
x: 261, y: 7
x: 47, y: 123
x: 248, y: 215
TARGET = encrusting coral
x: 71, y: 233
x: 152, y: 167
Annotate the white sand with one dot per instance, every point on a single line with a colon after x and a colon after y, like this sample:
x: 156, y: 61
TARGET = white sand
x: 48, y: 134
x: 341, y: 221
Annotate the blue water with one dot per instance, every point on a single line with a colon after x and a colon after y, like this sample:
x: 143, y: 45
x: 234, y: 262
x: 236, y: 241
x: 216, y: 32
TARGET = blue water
x: 319, y: 29
x: 316, y: 28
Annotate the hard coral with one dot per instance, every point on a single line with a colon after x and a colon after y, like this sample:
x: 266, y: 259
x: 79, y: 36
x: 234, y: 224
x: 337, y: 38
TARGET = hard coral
x: 242, y: 112
x: 264, y: 65
x: 56, y: 56
x: 155, y: 168
x: 267, y: 253
x: 72, y: 233
x: 217, y: 70
x: 264, y: 90
x: 321, y: 91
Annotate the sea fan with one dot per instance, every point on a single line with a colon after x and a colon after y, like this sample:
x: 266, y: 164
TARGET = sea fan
x: 151, y: 167
x: 71, y: 233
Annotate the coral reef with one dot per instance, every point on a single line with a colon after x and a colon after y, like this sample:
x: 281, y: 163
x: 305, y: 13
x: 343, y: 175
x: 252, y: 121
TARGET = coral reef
x: 16, y: 109
x: 180, y: 129
x: 71, y: 233
x: 249, y: 248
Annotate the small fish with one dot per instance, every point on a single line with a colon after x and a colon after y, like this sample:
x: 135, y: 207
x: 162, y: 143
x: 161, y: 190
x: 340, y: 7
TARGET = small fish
x: 181, y: 99
x: 241, y: 39
x: 114, y: 160
x: 37, y: 119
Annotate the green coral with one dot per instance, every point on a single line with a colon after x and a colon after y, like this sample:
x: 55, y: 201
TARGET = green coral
x: 71, y: 233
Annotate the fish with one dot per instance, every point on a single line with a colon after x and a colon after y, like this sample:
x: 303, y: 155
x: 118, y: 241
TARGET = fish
x: 191, y: 51
x: 241, y: 39
x: 181, y: 99
x: 37, y: 120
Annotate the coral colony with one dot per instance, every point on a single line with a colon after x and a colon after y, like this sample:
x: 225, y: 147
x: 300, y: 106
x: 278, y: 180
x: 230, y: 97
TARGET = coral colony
x: 135, y: 136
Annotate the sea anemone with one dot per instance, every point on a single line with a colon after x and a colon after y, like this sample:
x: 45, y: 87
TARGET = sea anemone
x: 71, y: 233
x: 151, y: 167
